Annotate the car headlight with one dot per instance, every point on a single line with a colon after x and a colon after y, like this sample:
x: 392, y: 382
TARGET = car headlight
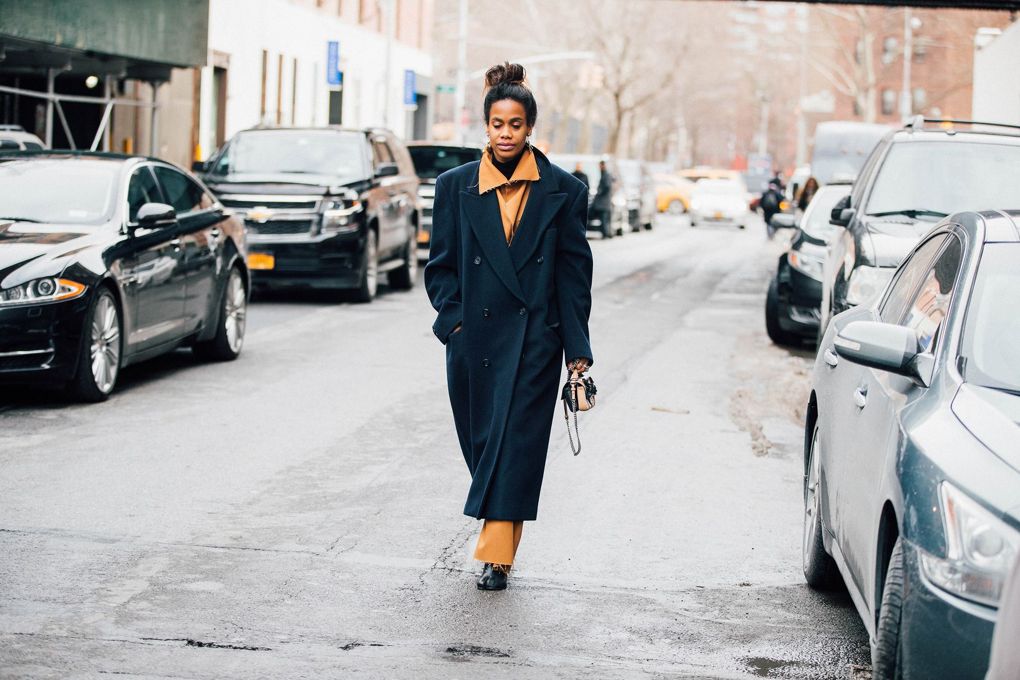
x: 867, y: 283
x: 808, y: 264
x: 341, y: 217
x: 980, y: 549
x: 41, y: 290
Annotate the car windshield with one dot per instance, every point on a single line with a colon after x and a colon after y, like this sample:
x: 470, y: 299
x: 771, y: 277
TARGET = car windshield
x: 432, y: 161
x: 930, y: 179
x: 816, y: 218
x: 718, y: 187
x: 991, y: 341
x: 327, y: 153
x: 58, y: 190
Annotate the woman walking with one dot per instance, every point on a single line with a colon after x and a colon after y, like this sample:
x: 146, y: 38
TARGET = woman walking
x: 510, y: 276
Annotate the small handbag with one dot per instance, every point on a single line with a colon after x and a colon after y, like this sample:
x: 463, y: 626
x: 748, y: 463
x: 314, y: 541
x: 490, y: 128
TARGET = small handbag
x: 578, y: 395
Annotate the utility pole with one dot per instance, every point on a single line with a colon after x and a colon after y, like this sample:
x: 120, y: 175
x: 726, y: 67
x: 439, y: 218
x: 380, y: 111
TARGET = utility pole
x: 763, y: 134
x: 459, y: 95
x: 802, y: 25
x: 388, y: 6
x: 906, y: 100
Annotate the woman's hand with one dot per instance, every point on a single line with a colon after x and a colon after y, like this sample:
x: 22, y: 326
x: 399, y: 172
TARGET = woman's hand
x: 580, y: 365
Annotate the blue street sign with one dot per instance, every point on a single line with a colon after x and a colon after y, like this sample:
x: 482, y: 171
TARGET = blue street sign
x: 410, y: 96
x: 333, y: 75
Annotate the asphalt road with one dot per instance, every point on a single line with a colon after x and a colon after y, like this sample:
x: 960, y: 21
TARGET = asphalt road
x: 297, y: 513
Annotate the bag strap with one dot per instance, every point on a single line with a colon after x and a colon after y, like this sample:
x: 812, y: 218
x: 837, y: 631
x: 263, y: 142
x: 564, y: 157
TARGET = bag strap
x: 566, y: 414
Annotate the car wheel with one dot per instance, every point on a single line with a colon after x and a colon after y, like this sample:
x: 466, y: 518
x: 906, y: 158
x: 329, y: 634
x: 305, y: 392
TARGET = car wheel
x: 402, y: 278
x: 230, y: 323
x: 742, y: 226
x: 366, y: 290
x: 99, y: 354
x: 693, y: 224
x: 772, y: 327
x: 676, y: 207
x: 820, y: 570
x: 885, y: 664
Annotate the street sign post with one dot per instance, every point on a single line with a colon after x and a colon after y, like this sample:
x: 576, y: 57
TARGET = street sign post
x: 333, y: 74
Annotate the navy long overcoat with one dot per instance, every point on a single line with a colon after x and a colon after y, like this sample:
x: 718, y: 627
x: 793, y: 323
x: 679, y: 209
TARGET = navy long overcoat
x: 523, y: 309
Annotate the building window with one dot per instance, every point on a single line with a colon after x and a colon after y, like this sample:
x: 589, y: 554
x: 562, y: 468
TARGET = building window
x: 888, y: 102
x: 890, y: 50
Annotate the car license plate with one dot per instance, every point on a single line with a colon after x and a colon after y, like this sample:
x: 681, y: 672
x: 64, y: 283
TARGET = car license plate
x: 423, y: 237
x: 261, y: 261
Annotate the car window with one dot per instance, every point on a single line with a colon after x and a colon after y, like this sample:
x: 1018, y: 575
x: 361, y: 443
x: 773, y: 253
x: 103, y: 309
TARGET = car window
x: 142, y: 189
x: 901, y: 290
x: 181, y: 192
x: 32, y: 146
x: 991, y: 341
x: 8, y: 144
x: 930, y: 304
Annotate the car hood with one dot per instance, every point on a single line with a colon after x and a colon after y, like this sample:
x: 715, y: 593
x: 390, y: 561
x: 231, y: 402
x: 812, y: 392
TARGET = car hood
x: 889, y: 241
x: 283, y: 183
x: 993, y: 417
x: 38, y: 248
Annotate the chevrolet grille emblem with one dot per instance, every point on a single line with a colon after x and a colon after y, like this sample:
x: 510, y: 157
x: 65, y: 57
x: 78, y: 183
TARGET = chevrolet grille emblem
x: 259, y: 214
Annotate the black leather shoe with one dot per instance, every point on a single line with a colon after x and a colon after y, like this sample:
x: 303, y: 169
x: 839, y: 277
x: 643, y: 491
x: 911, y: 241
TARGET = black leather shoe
x: 492, y: 578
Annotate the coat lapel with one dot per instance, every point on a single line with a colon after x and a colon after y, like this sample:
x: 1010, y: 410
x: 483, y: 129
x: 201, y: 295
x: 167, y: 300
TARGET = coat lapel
x: 539, y: 211
x: 482, y: 212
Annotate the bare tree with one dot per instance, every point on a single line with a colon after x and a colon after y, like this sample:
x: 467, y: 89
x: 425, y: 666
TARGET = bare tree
x: 849, y: 68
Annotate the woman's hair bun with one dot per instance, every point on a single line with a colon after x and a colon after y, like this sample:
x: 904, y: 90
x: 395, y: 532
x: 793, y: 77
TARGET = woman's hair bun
x: 511, y: 74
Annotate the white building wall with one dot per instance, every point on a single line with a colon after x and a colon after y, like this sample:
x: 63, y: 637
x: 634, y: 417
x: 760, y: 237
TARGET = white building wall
x: 243, y: 28
x: 996, y: 80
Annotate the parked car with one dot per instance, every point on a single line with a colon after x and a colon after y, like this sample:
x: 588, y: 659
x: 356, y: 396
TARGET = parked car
x: 106, y: 260
x: 640, y: 191
x: 432, y: 159
x: 673, y: 193
x: 590, y: 166
x: 912, y: 469
x: 325, y: 208
x: 795, y: 293
x: 903, y: 189
x: 720, y: 201
x: 14, y: 138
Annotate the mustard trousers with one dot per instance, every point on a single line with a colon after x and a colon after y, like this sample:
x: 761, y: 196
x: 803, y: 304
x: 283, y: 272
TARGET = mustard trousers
x: 497, y: 544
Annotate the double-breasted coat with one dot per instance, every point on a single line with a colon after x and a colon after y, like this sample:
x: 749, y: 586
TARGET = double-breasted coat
x: 523, y: 308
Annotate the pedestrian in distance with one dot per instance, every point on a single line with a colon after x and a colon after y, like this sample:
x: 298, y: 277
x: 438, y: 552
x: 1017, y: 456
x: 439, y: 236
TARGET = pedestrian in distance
x: 510, y: 275
x: 602, y: 204
x: 771, y: 203
x: 806, y: 193
x: 581, y: 175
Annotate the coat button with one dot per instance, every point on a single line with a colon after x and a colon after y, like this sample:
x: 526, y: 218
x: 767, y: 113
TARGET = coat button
x: 541, y: 260
x: 485, y: 312
x: 485, y: 363
x: 478, y: 260
x: 523, y: 311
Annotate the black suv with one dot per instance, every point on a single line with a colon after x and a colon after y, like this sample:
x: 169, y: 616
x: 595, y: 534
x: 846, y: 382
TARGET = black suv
x: 324, y: 207
x: 914, y: 177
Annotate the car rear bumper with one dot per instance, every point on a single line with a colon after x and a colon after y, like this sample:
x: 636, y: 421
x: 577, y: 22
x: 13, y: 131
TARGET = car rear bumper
x: 324, y: 261
x: 719, y: 218
x: 942, y: 635
x: 40, y: 343
x: 800, y: 302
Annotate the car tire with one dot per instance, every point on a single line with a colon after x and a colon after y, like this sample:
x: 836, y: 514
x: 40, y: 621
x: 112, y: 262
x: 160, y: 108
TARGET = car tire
x: 742, y: 226
x: 100, y: 351
x: 403, y: 277
x: 693, y: 224
x: 820, y: 570
x: 231, y: 321
x: 676, y: 207
x: 772, y: 327
x: 366, y: 290
x: 885, y: 664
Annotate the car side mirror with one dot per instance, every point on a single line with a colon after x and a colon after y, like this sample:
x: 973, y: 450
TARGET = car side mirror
x: 199, y: 166
x: 842, y: 213
x: 783, y: 221
x: 387, y: 170
x: 884, y: 346
x: 152, y: 215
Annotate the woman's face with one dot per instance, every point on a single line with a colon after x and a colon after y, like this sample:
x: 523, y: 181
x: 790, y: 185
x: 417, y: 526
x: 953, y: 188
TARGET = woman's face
x: 507, y: 129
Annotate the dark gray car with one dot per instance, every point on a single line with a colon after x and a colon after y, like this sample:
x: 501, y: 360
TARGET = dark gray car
x: 912, y: 460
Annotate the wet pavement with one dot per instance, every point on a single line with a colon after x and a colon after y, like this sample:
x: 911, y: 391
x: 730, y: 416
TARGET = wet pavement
x: 297, y: 513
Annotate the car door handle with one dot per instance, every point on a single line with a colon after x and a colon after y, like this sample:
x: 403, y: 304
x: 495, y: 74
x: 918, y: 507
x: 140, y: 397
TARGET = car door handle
x: 831, y: 358
x: 861, y: 396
